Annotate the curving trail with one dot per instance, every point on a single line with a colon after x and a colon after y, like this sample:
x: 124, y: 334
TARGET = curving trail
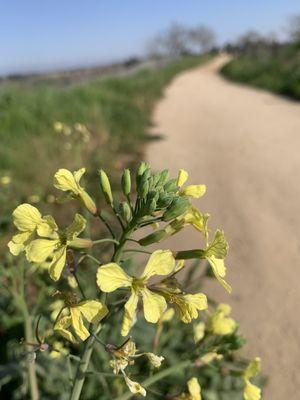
x: 244, y: 144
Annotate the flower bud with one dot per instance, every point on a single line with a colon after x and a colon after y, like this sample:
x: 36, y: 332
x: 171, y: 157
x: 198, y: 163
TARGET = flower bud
x: 171, y: 186
x: 80, y: 243
x: 125, y: 211
x: 177, y: 208
x: 154, y: 237
x: 126, y: 182
x: 88, y: 202
x: 105, y: 187
x: 163, y: 177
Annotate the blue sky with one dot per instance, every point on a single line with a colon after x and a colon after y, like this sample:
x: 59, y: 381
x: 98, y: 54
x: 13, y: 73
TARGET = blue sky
x: 38, y: 35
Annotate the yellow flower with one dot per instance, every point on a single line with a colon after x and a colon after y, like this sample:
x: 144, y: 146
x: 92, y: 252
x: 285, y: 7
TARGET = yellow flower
x: 209, y: 357
x: 29, y: 221
x: 154, y: 359
x: 111, y: 277
x: 251, y: 391
x: 194, y: 391
x: 91, y: 310
x: 199, y: 331
x: 56, y: 246
x: 134, y: 387
x: 58, y: 349
x: 215, y: 254
x: 219, y: 323
x: 5, y: 180
x: 67, y: 181
x: 187, y: 306
x: 194, y: 191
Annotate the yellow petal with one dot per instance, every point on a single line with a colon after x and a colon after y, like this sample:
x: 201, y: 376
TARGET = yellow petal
x: 199, y: 331
x: 219, y: 271
x: 219, y: 323
x: 134, y: 387
x: 92, y: 310
x: 77, y: 226
x: 194, y: 191
x: 209, y: 357
x: 253, y: 368
x: 78, y: 324
x: 17, y: 244
x: 194, y: 389
x: 182, y: 177
x: 251, y: 392
x: 38, y: 250
x: 58, y: 262
x: 47, y: 227
x: 65, y: 180
x: 111, y: 277
x: 26, y: 217
x: 78, y: 174
x: 62, y: 326
x: 154, y: 305
x: 154, y: 359
x: 161, y: 262
x: 130, y: 313
x: 194, y: 303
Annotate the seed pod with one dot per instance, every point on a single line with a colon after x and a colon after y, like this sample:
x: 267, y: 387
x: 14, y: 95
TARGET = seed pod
x: 105, y: 187
x: 125, y: 211
x: 154, y: 237
x: 126, y: 182
x: 177, y: 208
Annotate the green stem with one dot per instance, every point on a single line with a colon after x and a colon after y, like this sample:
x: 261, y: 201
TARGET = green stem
x: 105, y: 240
x: 87, y: 353
x: 157, y: 377
x: 34, y: 391
x: 137, y: 251
x: 83, y: 366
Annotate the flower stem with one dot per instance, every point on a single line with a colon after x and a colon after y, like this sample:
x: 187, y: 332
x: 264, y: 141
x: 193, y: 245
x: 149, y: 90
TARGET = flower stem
x: 157, y: 377
x: 105, y: 240
x: 87, y: 353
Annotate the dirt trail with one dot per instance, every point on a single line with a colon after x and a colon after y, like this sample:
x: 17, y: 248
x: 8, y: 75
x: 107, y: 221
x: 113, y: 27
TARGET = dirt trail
x: 244, y: 145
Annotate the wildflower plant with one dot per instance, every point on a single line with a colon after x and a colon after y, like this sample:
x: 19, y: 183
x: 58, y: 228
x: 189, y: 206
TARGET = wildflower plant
x: 113, y: 296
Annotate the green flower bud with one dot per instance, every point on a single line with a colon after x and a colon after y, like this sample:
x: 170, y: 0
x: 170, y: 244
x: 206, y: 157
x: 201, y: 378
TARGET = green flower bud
x: 125, y: 211
x: 163, y: 177
x: 105, y: 187
x: 126, y: 182
x: 164, y: 200
x: 80, y: 243
x: 177, y: 208
x: 143, y: 189
x: 171, y: 186
x: 154, y: 237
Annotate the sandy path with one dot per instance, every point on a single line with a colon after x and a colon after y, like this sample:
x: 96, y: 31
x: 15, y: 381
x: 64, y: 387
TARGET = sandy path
x: 245, y: 145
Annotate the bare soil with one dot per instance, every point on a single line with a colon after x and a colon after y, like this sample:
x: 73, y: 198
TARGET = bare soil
x: 244, y: 144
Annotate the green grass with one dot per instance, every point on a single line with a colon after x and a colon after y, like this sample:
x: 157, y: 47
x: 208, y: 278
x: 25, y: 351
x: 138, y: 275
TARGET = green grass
x: 116, y: 110
x: 277, y: 71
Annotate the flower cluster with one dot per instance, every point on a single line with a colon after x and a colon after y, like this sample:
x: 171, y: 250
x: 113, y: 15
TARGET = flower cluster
x: 160, y: 292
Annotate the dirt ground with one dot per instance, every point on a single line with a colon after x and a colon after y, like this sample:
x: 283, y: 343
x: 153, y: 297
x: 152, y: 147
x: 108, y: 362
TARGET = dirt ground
x: 244, y: 144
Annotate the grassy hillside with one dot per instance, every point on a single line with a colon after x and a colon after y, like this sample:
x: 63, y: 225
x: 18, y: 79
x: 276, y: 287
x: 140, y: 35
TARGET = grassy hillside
x: 277, y: 71
x: 115, y: 111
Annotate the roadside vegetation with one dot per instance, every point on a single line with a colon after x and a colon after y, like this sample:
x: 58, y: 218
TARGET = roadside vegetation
x: 267, y: 63
x: 100, y: 123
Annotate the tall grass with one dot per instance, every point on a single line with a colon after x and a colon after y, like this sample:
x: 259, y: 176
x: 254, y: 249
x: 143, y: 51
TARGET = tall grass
x: 277, y: 71
x: 116, y: 110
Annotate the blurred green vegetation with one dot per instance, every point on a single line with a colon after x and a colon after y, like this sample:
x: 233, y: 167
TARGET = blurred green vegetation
x: 115, y: 110
x: 275, y: 68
